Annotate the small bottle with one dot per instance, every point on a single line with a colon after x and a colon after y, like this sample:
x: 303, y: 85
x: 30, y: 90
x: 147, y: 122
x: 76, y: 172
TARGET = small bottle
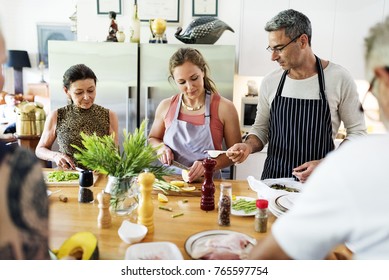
x: 85, y: 193
x: 261, y: 215
x: 225, y: 204
x: 135, y: 26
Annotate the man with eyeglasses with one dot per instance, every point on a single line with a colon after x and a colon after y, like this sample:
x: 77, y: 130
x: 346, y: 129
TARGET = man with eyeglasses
x: 301, y: 105
x: 345, y: 201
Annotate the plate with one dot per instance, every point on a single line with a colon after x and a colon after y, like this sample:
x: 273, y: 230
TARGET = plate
x: 153, y: 251
x: 71, y: 183
x: 285, y: 202
x: 241, y: 212
x: 200, y: 238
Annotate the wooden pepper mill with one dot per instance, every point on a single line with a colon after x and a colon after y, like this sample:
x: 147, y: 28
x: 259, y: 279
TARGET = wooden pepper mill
x: 146, y: 207
x: 104, y: 219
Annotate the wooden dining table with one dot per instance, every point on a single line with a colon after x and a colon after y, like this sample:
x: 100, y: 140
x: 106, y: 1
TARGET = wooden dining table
x: 68, y: 218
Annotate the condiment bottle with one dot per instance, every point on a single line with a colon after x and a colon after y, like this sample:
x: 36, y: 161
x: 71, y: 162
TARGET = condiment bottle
x: 146, y: 207
x: 85, y: 193
x: 225, y: 204
x: 104, y: 219
x: 135, y: 26
x: 261, y: 215
x: 208, y: 188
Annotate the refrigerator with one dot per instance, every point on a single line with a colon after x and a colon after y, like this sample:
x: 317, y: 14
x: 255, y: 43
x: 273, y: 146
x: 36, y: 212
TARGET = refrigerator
x: 133, y: 78
x: 116, y: 69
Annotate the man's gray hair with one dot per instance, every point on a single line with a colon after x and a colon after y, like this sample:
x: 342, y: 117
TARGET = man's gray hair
x: 294, y: 23
x: 377, y: 47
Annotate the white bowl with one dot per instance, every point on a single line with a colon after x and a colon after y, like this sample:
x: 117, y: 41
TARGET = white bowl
x: 132, y: 233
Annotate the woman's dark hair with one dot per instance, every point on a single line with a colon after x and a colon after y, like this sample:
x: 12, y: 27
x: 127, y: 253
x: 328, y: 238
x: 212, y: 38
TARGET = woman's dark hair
x: 192, y: 55
x: 78, y: 72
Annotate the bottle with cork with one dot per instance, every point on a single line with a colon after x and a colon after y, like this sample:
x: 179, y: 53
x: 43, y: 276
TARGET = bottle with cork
x: 135, y: 25
x: 225, y: 204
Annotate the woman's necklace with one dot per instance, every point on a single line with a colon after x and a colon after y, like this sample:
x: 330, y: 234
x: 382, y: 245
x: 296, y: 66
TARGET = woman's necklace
x: 191, y: 108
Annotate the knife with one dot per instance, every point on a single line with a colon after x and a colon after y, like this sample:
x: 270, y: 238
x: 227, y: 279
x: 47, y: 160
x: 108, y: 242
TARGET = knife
x: 179, y: 165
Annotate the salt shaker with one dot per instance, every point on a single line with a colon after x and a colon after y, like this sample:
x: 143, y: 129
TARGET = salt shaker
x: 104, y: 219
x: 225, y: 204
x: 85, y: 193
x: 261, y: 215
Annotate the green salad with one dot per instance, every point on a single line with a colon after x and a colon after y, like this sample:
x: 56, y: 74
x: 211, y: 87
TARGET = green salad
x: 60, y: 176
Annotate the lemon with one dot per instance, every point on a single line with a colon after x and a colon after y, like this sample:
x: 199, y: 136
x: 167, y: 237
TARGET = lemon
x: 162, y: 198
x: 178, y: 183
x: 233, y: 197
x: 188, y: 189
x: 185, y: 175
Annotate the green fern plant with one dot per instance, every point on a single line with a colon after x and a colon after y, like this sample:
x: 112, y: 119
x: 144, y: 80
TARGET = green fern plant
x: 100, y: 153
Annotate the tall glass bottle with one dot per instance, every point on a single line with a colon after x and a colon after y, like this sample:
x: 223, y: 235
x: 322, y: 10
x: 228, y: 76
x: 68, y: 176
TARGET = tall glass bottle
x: 135, y: 26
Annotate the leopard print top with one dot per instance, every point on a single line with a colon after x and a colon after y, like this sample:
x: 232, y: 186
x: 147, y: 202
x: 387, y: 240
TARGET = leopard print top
x: 72, y: 120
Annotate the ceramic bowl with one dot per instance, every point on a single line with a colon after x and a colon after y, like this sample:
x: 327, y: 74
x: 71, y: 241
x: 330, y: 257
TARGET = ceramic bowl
x: 132, y: 233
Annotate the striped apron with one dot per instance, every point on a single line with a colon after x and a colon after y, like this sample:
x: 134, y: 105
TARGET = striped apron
x: 300, y: 130
x: 187, y: 141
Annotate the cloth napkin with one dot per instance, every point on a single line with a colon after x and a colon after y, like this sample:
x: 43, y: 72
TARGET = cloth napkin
x: 263, y: 190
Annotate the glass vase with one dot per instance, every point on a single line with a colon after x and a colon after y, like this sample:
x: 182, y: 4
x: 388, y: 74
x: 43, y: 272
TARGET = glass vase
x: 124, y: 195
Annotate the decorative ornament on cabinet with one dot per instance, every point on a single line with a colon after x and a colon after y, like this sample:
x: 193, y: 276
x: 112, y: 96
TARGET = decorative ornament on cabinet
x: 203, y: 30
x: 135, y: 26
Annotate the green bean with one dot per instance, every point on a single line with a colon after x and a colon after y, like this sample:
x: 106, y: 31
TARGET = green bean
x: 245, y: 205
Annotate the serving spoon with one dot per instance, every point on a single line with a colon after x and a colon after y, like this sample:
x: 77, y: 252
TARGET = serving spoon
x: 216, y: 153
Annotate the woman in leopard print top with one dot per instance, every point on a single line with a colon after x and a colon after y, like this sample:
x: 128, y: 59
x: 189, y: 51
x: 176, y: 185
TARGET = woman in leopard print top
x: 66, y: 123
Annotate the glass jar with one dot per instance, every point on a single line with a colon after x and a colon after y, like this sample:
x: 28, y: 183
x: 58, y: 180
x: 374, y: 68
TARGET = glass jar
x: 225, y: 201
x: 261, y: 216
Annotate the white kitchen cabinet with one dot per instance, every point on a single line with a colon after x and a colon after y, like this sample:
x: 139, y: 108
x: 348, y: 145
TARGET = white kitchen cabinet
x: 338, y: 31
x: 254, y: 59
x: 353, y: 21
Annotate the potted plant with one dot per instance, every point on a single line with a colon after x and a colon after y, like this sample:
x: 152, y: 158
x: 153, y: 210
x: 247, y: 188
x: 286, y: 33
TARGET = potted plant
x: 121, y: 165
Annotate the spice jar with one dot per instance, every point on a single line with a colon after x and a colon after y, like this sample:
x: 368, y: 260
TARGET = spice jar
x: 261, y: 215
x: 85, y: 193
x: 225, y: 204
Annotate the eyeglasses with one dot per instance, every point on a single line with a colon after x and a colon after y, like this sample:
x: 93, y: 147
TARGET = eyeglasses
x: 279, y: 50
x: 369, y: 104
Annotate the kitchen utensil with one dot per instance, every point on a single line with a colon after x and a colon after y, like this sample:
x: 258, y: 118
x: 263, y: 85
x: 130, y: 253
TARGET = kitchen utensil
x: 214, y: 153
x: 180, y: 165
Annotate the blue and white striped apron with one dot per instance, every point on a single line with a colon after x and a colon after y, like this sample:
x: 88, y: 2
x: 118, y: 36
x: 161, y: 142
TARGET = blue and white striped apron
x: 300, y: 130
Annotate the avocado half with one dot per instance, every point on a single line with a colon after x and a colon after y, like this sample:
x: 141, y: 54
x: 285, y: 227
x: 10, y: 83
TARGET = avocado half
x: 80, y: 246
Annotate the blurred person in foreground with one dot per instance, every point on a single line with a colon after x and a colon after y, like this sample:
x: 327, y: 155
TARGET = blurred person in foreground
x: 24, y: 226
x: 81, y: 115
x: 196, y: 119
x: 301, y: 104
x: 345, y: 201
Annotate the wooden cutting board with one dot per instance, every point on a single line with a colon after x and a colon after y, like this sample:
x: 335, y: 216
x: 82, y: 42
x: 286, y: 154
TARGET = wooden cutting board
x: 196, y: 192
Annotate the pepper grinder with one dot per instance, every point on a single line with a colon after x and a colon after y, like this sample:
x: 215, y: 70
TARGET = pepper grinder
x: 208, y: 188
x: 85, y: 193
x: 104, y: 219
x: 146, y: 207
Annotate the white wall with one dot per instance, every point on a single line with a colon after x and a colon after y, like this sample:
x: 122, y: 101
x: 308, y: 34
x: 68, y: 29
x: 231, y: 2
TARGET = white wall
x: 19, y: 19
